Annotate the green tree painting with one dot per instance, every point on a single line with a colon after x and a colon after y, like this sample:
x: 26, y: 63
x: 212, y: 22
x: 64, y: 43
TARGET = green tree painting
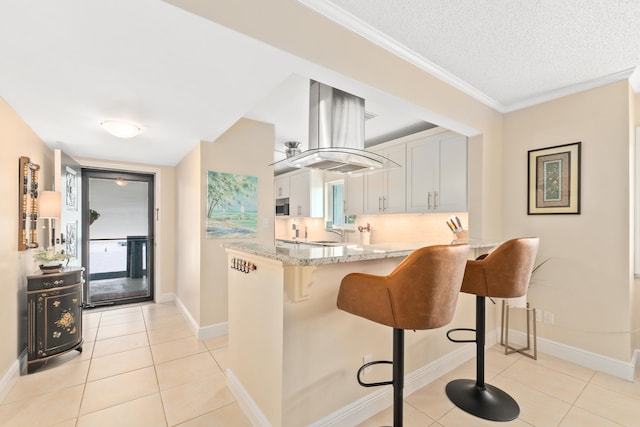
x: 232, y: 206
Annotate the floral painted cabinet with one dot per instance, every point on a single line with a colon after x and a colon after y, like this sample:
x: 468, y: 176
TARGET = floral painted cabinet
x: 54, y: 303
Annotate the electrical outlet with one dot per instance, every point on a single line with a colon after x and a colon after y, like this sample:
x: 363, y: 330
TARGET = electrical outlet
x: 548, y: 317
x: 366, y: 359
x: 538, y: 315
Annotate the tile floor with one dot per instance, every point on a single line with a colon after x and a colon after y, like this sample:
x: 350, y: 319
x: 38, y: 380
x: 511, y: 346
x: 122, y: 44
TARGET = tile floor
x: 141, y: 366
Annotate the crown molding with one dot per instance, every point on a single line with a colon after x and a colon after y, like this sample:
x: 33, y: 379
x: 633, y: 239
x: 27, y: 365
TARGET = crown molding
x: 345, y: 19
x: 570, y: 90
x: 634, y: 80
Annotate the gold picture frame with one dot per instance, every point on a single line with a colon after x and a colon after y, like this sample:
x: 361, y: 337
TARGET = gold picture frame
x: 27, y: 204
x: 554, y: 180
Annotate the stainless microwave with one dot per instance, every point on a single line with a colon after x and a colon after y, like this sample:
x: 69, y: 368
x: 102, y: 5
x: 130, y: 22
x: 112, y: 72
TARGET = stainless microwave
x: 282, y: 207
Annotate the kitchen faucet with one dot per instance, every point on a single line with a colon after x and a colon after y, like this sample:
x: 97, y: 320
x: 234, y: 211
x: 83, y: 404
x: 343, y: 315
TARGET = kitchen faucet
x: 337, y: 231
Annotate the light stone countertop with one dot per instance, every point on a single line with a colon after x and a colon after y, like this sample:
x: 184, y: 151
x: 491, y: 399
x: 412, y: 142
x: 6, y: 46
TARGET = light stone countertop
x: 303, y: 253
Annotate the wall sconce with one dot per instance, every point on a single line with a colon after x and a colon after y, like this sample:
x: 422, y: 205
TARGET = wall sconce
x: 50, y: 205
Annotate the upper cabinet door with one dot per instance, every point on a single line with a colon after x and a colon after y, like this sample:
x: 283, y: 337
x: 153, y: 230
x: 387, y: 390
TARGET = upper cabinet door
x: 306, y: 194
x: 385, y: 189
x: 281, y: 187
x: 422, y: 177
x: 354, y: 195
x: 452, y: 196
x: 437, y: 173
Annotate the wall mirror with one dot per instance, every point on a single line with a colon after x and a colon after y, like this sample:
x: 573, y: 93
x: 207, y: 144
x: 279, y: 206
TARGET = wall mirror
x: 27, y: 204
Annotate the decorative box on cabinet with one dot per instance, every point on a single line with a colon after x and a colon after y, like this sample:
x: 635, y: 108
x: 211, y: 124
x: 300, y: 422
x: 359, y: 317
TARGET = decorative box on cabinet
x: 54, y: 317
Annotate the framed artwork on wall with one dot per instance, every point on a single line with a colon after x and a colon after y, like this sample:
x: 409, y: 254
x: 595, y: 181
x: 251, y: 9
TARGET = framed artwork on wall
x: 232, y: 206
x: 71, y: 189
x: 554, y: 180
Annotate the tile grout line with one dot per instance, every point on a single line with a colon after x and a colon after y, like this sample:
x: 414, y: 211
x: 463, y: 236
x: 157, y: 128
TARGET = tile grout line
x: 155, y: 370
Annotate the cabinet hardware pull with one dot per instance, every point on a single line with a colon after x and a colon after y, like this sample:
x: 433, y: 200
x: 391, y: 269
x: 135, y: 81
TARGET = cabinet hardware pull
x: 429, y: 200
x: 379, y: 203
x: 435, y: 200
x: 384, y: 199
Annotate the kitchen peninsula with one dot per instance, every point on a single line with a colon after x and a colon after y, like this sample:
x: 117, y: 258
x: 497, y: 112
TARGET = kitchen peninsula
x: 293, y: 355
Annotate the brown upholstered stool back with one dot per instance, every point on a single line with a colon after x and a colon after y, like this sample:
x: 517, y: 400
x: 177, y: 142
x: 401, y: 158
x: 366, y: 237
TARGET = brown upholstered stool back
x: 505, y: 272
x: 421, y: 293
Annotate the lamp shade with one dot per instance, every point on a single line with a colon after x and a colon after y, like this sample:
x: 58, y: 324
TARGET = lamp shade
x: 50, y: 204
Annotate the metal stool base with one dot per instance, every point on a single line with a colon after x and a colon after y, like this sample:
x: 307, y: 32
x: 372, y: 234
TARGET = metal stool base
x: 488, y: 402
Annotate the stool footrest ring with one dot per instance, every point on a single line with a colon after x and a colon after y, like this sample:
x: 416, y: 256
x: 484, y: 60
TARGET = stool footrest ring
x: 365, y: 366
x: 460, y: 330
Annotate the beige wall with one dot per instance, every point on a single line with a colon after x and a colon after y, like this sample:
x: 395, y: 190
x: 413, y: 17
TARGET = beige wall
x: 201, y: 271
x: 586, y: 284
x: 244, y: 149
x: 16, y: 139
x: 189, y: 225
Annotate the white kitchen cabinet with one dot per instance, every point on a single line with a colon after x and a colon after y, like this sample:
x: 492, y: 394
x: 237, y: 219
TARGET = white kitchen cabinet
x: 437, y: 173
x: 281, y: 186
x: 353, y: 195
x: 384, y: 190
x: 306, y: 193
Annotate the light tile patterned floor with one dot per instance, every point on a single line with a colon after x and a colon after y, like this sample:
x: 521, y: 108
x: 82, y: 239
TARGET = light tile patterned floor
x: 141, y: 366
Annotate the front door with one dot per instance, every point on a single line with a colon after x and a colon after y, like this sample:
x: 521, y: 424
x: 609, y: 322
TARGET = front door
x: 119, y: 235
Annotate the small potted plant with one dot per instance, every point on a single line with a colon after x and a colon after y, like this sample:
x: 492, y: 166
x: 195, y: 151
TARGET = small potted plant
x: 365, y: 234
x: 50, y: 260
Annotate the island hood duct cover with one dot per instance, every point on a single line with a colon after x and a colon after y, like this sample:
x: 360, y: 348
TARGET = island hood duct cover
x: 336, y: 135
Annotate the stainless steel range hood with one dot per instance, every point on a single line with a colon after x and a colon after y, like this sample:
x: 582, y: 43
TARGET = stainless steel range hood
x: 336, y: 135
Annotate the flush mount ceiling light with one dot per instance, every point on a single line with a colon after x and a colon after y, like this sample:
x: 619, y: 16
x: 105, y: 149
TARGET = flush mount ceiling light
x: 121, y: 128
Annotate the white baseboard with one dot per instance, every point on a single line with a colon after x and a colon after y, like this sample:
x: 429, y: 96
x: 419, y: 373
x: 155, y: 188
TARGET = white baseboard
x: 246, y: 403
x: 366, y: 407
x: 213, y: 331
x: 369, y: 405
x: 166, y: 297
x: 9, y: 379
x: 202, y: 332
x: 598, y: 362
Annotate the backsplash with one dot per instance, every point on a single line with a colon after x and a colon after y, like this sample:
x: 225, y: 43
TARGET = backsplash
x: 384, y: 228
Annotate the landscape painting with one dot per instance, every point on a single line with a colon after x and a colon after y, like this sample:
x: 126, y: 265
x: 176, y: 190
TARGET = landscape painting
x: 232, y: 206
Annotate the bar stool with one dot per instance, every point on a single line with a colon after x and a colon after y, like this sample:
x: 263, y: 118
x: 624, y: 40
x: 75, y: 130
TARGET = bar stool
x: 504, y: 273
x: 420, y: 293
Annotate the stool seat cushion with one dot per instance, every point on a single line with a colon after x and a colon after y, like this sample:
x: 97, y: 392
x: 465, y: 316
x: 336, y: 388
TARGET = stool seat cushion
x: 505, y: 272
x: 421, y: 293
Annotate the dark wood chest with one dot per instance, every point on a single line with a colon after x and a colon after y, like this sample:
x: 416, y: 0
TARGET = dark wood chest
x: 54, y: 303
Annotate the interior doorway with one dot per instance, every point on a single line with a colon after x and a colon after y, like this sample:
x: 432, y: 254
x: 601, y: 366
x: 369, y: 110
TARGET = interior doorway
x: 118, y: 236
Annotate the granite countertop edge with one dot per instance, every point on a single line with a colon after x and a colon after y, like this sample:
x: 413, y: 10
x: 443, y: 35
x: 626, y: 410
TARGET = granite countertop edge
x: 310, y: 255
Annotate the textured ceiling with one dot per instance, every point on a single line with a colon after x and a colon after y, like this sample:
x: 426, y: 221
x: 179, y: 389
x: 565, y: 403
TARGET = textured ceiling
x: 507, y: 53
